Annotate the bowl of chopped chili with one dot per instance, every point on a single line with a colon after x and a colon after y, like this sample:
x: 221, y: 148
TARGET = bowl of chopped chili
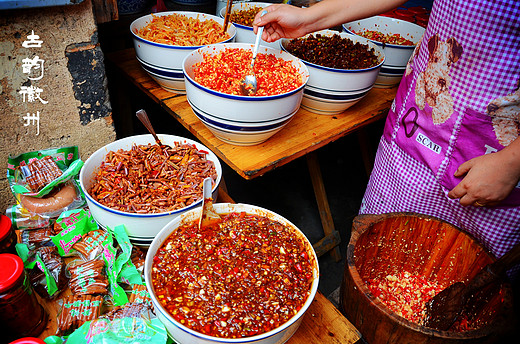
x: 213, y: 75
x: 242, y: 16
x: 396, y: 37
x: 342, y: 69
x: 162, y: 41
x: 137, y: 183
x: 396, y: 262
x: 248, y: 278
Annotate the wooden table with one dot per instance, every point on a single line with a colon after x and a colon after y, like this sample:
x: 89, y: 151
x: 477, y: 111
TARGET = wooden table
x: 302, y: 136
x: 322, y: 323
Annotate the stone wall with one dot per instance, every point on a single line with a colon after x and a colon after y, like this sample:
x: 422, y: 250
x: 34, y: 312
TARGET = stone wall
x: 69, y: 93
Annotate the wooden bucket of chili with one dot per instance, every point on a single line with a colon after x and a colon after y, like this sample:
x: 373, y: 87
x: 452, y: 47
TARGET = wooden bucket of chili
x: 20, y: 313
x: 396, y: 262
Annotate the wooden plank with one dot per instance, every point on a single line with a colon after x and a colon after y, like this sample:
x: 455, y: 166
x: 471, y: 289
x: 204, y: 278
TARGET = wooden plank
x: 105, y: 10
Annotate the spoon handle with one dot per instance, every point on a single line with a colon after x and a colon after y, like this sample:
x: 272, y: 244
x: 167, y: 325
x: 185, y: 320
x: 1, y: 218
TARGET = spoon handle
x: 258, y: 38
x: 143, y: 117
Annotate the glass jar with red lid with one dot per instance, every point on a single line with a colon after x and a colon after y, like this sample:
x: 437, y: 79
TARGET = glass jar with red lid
x: 7, y: 235
x: 20, y: 313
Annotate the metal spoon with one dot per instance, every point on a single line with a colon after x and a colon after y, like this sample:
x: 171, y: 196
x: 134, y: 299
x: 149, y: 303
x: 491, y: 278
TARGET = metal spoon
x: 208, y: 214
x: 143, y: 117
x: 248, y: 86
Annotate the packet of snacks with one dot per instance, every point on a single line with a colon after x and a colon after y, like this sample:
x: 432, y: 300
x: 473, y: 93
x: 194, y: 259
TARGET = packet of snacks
x: 45, y: 182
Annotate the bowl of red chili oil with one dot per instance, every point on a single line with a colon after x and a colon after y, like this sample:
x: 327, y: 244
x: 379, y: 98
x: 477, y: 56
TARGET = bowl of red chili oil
x: 342, y: 69
x: 397, y: 38
x: 136, y: 183
x: 396, y: 262
x: 213, y: 75
x: 248, y: 278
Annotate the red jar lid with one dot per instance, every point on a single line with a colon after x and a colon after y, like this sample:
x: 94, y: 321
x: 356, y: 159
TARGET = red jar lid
x: 28, y: 340
x: 404, y: 13
x: 11, y: 269
x: 5, y: 226
x: 417, y: 9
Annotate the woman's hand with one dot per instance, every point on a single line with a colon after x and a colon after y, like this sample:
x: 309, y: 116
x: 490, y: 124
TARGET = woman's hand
x: 488, y: 179
x: 281, y: 21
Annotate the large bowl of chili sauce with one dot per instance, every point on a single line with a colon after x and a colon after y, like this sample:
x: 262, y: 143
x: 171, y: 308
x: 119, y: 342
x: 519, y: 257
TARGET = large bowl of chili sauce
x: 397, y: 38
x: 247, y: 279
x: 142, y: 227
x: 342, y: 69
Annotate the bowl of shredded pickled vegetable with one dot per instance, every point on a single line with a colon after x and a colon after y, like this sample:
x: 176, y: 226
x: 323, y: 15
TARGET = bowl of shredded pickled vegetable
x: 162, y: 41
x: 242, y: 16
x: 342, y: 69
x: 396, y: 37
x: 137, y: 183
x: 249, y: 277
x: 213, y: 75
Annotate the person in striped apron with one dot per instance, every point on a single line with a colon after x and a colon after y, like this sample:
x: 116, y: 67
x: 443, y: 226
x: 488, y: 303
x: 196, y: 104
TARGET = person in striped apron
x: 450, y: 146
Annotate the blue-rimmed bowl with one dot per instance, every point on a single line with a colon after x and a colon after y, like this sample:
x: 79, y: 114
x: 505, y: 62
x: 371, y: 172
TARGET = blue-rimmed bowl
x: 141, y: 228
x: 331, y: 91
x: 237, y: 119
x: 245, y: 34
x: 185, y: 335
x: 397, y: 56
x: 163, y: 61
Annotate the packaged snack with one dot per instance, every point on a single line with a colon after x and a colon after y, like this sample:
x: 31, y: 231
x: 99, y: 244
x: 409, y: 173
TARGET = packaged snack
x: 70, y: 228
x: 76, y: 310
x: 88, y: 278
x: 139, y: 294
x: 39, y: 237
x: 55, y: 265
x: 131, y: 309
x: 91, y: 244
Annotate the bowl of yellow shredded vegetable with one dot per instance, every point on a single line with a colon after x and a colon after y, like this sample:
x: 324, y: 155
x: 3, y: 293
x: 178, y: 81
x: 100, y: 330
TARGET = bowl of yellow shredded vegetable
x: 162, y: 41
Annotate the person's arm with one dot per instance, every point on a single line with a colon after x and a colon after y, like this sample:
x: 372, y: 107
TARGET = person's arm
x: 287, y: 21
x: 489, y: 178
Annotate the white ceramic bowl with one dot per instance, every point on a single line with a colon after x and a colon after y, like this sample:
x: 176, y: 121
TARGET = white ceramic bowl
x: 242, y: 120
x: 331, y: 91
x: 245, y: 34
x: 396, y: 56
x: 182, y: 334
x: 141, y: 228
x: 163, y: 61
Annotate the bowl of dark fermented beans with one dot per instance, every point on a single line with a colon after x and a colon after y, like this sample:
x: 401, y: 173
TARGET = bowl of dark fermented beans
x: 342, y: 69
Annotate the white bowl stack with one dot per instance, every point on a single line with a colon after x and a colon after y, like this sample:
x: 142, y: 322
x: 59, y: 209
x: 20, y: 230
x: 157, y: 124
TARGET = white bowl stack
x: 163, y: 62
x: 236, y: 119
x: 331, y: 91
x: 397, y: 56
x: 141, y: 228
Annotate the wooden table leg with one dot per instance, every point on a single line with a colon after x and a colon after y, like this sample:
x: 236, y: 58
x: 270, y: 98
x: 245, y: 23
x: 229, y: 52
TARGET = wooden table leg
x: 332, y: 238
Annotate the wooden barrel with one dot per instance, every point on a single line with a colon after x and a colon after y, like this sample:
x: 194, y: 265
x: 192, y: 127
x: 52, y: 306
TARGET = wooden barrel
x: 389, y: 243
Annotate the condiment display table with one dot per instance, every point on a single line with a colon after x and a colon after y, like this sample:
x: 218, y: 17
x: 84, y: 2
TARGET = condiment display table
x: 322, y: 323
x: 302, y: 136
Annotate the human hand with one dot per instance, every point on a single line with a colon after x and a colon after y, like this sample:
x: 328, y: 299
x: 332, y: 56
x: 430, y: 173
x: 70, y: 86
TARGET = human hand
x: 281, y: 21
x: 488, y: 179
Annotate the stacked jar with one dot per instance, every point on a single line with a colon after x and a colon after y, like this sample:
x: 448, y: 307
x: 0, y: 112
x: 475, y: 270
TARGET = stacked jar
x: 20, y: 313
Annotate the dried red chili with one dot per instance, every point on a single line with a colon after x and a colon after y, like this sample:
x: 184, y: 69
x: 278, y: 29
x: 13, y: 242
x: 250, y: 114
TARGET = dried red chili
x: 333, y: 52
x: 238, y: 278
x: 152, y: 179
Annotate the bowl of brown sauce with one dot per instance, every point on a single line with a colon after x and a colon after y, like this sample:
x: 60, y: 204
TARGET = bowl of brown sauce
x: 249, y: 277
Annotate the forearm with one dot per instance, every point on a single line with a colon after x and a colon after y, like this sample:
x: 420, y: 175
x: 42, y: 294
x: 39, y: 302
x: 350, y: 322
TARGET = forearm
x: 329, y: 13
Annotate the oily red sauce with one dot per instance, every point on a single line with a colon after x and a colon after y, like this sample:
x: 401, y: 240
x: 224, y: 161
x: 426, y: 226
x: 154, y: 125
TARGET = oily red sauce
x: 241, y: 277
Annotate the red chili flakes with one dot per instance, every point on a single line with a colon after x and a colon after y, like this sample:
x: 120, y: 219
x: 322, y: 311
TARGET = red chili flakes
x: 224, y: 71
x: 241, y: 277
x: 384, y: 38
x: 406, y: 294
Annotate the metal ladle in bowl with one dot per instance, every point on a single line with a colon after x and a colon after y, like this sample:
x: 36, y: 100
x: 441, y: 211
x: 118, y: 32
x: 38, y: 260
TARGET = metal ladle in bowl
x: 248, y: 86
